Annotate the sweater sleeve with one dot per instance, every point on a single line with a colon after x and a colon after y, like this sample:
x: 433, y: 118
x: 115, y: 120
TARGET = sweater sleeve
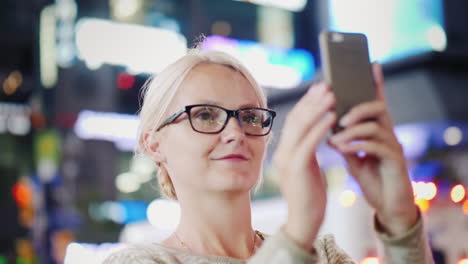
x: 410, y: 247
x: 279, y: 248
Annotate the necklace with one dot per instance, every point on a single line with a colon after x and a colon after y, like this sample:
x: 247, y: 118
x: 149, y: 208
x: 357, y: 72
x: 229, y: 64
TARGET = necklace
x: 187, y: 247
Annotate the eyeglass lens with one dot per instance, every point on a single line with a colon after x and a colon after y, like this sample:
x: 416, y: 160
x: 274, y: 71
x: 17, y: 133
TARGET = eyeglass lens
x: 211, y: 119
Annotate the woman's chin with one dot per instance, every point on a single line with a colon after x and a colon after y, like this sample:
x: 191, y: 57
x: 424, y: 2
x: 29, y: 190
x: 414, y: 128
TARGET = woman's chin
x: 234, y: 185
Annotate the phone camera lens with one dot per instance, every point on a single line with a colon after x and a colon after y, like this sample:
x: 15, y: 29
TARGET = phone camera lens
x: 337, y: 37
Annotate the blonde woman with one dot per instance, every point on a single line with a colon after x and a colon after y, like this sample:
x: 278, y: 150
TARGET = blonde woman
x: 206, y: 124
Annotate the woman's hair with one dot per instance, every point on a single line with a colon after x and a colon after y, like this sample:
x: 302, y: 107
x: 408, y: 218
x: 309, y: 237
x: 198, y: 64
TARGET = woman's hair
x: 158, y: 93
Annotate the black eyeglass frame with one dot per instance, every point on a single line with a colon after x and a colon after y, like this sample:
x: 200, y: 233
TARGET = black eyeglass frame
x: 230, y: 113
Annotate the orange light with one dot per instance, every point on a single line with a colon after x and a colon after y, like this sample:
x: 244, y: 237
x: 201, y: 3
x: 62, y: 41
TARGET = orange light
x: 370, y: 260
x: 12, y: 83
x: 458, y: 193
x: 463, y: 261
x: 22, y: 194
x: 465, y: 207
x: 423, y: 204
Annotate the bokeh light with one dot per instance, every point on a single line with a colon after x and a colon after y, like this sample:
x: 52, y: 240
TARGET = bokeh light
x: 12, y: 82
x: 370, y: 260
x: 458, y: 193
x: 19, y: 125
x: 437, y: 38
x: 347, y: 198
x: 125, y: 81
x: 22, y: 194
x: 465, y: 207
x: 163, y: 214
x: 423, y: 190
x: 127, y: 182
x: 453, y: 136
x: 423, y: 204
x: 122, y: 9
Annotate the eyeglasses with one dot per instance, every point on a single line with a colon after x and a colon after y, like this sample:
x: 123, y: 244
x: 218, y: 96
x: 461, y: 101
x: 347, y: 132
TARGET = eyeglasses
x: 212, y: 119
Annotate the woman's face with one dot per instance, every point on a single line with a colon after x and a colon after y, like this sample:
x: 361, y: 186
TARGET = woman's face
x: 199, y: 162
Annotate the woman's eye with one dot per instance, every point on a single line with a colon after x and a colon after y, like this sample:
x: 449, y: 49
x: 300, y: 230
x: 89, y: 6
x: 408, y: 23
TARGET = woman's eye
x: 250, y: 119
x: 205, y: 115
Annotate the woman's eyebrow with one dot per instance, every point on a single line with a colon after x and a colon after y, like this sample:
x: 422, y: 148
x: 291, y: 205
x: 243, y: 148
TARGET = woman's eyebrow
x: 248, y: 106
x: 218, y: 104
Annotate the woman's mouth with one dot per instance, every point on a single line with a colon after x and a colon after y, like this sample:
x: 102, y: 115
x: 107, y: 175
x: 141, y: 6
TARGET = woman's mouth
x: 234, y: 158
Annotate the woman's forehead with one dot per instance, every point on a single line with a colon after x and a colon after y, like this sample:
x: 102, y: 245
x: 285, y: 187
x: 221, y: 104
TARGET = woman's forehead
x: 216, y: 84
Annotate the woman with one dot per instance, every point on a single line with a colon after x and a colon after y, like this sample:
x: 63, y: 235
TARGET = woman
x: 209, y: 162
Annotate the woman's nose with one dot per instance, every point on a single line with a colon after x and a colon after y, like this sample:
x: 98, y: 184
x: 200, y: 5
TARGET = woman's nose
x: 232, y: 131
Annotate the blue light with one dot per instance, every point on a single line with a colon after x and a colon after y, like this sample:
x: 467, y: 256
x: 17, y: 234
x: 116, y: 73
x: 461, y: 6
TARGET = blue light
x: 272, y: 66
x: 427, y: 171
x: 395, y: 29
x: 299, y: 59
x: 135, y: 211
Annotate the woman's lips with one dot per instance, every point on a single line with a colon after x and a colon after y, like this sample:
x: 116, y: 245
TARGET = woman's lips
x: 234, y: 158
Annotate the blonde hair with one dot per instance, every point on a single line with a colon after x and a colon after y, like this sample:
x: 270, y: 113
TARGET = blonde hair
x: 158, y: 93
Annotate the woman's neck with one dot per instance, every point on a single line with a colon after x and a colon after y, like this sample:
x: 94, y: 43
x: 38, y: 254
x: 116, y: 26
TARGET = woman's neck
x: 217, y: 226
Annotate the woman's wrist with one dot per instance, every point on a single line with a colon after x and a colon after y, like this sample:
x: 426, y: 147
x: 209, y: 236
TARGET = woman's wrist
x: 302, y: 230
x: 299, y: 238
x: 397, y: 225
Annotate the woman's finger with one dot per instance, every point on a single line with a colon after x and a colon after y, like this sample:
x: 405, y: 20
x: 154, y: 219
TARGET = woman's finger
x: 377, y: 73
x: 369, y: 147
x: 362, y: 131
x: 314, y: 137
x: 311, y: 96
x: 305, y: 115
x: 364, y: 111
x: 373, y: 110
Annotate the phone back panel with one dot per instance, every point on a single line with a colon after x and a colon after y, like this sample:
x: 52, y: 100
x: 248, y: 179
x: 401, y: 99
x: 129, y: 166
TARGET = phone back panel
x: 347, y: 68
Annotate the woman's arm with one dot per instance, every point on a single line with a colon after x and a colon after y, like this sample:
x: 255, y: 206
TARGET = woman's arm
x: 409, y: 247
x: 381, y: 173
x: 280, y: 249
x: 375, y: 159
x: 301, y: 181
x: 303, y: 185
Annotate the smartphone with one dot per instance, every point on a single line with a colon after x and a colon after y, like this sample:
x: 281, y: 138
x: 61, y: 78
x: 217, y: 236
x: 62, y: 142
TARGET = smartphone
x: 347, y: 69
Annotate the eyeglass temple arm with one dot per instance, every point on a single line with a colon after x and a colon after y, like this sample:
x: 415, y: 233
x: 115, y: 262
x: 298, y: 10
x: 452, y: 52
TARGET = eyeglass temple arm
x: 171, y: 119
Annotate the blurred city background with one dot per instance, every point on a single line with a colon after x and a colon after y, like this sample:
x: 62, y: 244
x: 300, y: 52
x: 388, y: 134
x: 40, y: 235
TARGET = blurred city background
x: 70, y: 76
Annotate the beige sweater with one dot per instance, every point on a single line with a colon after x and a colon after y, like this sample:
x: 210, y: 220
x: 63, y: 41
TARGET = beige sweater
x: 411, y: 247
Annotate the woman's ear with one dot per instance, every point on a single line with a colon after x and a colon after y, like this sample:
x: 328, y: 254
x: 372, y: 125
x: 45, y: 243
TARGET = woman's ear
x: 152, y: 142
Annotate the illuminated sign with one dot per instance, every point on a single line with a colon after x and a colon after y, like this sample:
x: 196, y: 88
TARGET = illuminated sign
x: 140, y: 49
x: 47, y: 47
x: 291, y: 5
x: 118, y: 128
x: 395, y: 29
x: 271, y: 67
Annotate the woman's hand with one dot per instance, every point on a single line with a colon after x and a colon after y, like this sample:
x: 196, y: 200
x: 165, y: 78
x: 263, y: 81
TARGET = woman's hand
x: 301, y: 181
x: 381, y: 172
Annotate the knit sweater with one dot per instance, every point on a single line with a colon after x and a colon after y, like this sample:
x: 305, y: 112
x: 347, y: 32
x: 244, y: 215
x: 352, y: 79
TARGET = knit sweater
x: 411, y: 247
